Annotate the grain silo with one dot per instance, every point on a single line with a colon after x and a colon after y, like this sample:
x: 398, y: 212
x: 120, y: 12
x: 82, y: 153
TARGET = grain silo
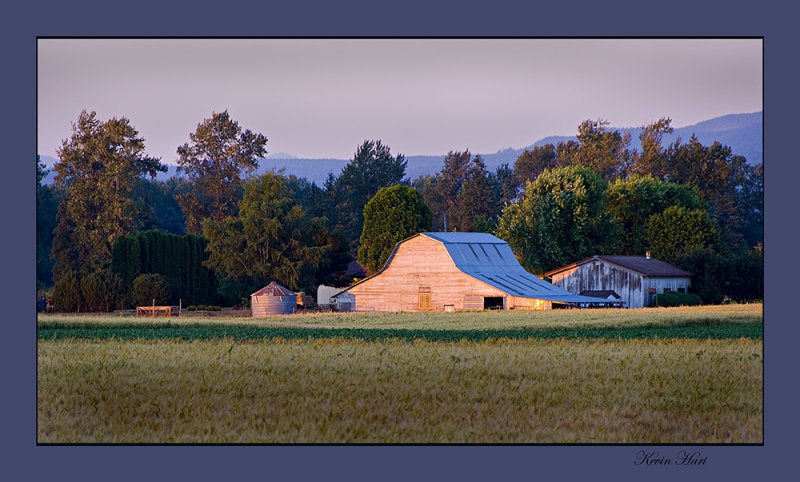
x: 273, y: 299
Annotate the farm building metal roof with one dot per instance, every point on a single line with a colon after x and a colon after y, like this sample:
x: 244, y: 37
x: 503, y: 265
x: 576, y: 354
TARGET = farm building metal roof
x: 490, y: 260
x: 600, y: 293
x: 274, y: 289
x: 651, y: 267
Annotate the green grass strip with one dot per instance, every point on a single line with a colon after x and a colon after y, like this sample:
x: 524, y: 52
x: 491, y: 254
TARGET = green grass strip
x: 238, y: 332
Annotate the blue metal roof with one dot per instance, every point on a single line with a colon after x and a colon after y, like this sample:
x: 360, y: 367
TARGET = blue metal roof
x: 490, y: 260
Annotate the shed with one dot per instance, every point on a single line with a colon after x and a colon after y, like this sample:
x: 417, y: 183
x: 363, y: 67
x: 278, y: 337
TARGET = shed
x: 636, y: 279
x: 273, y: 299
x: 455, y: 271
x: 324, y: 294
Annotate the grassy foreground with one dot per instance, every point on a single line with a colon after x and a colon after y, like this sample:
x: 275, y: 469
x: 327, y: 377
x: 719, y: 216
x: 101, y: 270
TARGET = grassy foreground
x: 334, y: 390
x: 386, y: 390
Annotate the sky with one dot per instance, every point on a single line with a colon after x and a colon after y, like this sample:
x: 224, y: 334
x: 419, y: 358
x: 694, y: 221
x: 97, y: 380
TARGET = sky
x: 321, y: 98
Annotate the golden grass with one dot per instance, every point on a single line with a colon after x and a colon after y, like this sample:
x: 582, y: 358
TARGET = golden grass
x: 339, y: 391
x: 480, y: 320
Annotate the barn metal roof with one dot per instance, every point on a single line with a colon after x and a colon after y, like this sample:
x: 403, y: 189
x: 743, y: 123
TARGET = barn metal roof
x: 654, y: 268
x: 490, y: 259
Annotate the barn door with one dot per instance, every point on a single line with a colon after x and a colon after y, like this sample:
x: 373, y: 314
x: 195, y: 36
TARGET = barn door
x: 424, y: 293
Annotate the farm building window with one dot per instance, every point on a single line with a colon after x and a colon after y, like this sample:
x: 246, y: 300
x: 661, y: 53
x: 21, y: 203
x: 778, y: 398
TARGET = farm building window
x: 667, y: 290
x: 424, y: 297
x: 681, y: 290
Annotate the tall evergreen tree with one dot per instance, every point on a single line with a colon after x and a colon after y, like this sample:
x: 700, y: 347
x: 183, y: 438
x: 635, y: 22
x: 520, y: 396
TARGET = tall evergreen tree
x: 372, y: 168
x: 475, y: 199
x: 219, y: 155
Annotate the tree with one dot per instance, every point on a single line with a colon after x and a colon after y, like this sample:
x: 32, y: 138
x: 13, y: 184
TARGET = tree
x: 632, y: 201
x: 96, y: 171
x: 219, y: 153
x: 102, y: 291
x: 505, y: 185
x: 559, y: 219
x: 653, y: 160
x: 449, y: 183
x: 67, y: 292
x: 678, y: 232
x: 270, y: 239
x: 532, y: 162
x: 719, y: 176
x: 476, y: 199
x: 152, y: 288
x: 371, y: 169
x: 428, y: 188
x: 393, y: 214
x: 603, y: 151
x: 157, y: 204
x: 47, y: 199
x: 750, y: 206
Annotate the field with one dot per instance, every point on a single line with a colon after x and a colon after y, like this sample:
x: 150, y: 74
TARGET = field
x: 675, y: 375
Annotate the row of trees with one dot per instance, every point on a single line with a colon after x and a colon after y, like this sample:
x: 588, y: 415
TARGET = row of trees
x: 555, y: 205
x: 178, y: 259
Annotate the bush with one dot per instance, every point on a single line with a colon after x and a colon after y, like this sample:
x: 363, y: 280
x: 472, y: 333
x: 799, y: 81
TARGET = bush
x: 678, y: 299
x: 67, y: 292
x: 151, y: 288
x: 102, y: 291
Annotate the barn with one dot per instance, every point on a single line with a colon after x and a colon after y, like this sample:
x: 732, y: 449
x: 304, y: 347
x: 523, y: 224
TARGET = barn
x: 455, y: 271
x: 634, y: 279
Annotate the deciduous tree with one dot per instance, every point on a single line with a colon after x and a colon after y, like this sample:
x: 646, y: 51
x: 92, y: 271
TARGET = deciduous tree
x: 393, y: 214
x: 632, y: 201
x: 219, y: 155
x: 559, y: 219
x: 678, y: 232
x: 96, y: 171
x: 270, y: 239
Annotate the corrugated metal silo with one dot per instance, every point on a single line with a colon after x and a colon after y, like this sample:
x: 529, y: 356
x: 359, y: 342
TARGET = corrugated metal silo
x: 273, y: 299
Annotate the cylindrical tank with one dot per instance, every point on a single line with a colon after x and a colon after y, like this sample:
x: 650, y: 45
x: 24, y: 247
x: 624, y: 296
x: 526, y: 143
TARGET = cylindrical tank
x: 273, y: 299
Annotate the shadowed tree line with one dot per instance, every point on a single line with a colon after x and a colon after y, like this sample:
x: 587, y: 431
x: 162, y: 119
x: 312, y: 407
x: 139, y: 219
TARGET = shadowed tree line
x: 697, y: 206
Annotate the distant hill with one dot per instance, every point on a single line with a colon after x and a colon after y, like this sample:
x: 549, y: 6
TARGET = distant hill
x: 742, y: 132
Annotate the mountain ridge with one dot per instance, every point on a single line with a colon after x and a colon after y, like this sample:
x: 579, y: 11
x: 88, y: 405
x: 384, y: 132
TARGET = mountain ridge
x: 742, y: 132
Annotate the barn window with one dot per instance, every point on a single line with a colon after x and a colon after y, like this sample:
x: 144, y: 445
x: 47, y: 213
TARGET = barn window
x: 681, y: 290
x: 667, y: 290
x: 424, y: 297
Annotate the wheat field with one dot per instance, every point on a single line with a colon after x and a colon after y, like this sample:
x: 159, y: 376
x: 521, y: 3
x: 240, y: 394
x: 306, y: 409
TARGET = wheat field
x: 353, y: 391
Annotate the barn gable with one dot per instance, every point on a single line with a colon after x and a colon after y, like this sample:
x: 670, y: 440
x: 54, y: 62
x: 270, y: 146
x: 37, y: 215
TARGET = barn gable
x: 443, y: 271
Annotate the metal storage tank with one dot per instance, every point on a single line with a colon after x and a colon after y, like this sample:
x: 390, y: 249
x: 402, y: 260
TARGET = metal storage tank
x: 273, y: 299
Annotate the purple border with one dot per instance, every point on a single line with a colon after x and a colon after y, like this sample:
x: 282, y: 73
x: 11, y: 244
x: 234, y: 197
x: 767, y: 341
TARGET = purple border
x: 26, y: 461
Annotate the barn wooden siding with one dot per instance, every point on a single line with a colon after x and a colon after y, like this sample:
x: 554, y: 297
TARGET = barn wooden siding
x: 420, y: 263
x: 633, y: 288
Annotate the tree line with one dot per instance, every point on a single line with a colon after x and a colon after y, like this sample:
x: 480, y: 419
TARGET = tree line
x: 556, y: 204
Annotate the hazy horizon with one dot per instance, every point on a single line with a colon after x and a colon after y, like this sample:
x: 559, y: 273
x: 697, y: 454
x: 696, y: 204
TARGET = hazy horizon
x: 315, y: 98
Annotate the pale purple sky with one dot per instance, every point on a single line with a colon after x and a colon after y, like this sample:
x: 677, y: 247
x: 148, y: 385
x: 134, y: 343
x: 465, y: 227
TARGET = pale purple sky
x: 320, y: 98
